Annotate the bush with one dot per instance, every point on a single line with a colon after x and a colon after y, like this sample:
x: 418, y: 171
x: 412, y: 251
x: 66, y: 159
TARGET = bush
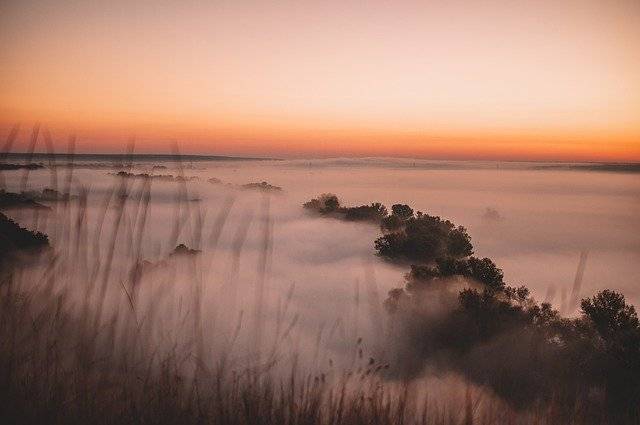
x: 15, y: 239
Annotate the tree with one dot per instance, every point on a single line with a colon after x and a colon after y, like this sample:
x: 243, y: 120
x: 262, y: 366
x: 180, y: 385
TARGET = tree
x: 391, y: 223
x: 485, y: 271
x: 459, y: 243
x: 324, y: 204
x: 374, y: 212
x: 610, y: 314
x: 614, y: 359
x: 402, y: 211
x: 331, y: 203
x: 423, y: 239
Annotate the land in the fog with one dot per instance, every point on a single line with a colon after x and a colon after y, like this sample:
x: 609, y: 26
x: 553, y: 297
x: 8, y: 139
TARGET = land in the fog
x: 240, y: 275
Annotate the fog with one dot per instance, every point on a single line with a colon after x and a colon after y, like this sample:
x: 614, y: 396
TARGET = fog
x: 314, y: 286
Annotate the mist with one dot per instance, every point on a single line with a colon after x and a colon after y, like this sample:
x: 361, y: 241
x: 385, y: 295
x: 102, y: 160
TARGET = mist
x: 274, y: 283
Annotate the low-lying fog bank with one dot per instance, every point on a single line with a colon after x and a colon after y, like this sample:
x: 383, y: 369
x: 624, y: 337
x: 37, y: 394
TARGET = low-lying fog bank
x: 261, y: 280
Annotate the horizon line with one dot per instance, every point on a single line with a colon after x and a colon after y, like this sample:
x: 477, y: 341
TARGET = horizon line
x: 207, y: 157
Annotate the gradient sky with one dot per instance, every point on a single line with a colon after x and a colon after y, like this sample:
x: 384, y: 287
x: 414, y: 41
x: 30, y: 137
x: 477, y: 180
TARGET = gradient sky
x: 442, y: 79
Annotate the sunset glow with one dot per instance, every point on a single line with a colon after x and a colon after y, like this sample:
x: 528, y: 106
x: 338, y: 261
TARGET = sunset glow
x: 439, y: 79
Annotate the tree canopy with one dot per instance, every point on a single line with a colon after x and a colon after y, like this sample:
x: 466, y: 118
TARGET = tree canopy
x: 328, y: 204
x: 421, y: 238
x: 456, y: 310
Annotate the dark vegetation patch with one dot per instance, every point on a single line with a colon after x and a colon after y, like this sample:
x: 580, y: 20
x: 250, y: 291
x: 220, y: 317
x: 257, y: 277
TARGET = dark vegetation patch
x: 10, y: 200
x: 15, y: 240
x: 328, y: 204
x: 455, y: 312
x: 263, y: 186
x: 11, y: 167
x: 420, y: 237
x: 182, y: 249
x: 407, y: 236
x: 160, y: 177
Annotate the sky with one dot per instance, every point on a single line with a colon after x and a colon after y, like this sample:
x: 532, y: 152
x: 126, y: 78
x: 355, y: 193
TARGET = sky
x: 540, y: 80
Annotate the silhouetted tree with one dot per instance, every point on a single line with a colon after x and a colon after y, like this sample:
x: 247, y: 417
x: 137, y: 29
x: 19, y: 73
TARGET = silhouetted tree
x: 614, y: 360
x: 391, y: 223
x: 328, y: 204
x: 324, y: 204
x: 374, y: 212
x: 423, y: 239
x: 402, y: 211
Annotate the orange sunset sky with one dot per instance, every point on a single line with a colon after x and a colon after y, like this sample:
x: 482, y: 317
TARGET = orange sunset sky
x: 511, y: 79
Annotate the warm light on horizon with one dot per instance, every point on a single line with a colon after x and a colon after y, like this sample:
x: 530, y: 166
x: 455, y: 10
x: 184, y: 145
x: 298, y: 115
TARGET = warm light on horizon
x: 497, y: 80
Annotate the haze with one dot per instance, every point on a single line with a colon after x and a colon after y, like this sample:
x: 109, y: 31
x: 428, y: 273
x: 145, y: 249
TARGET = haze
x: 542, y: 228
x: 497, y: 79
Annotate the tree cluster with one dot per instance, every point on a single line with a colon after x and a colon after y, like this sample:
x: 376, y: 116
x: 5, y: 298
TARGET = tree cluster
x: 328, y: 204
x: 499, y: 336
x: 456, y: 312
x: 15, y: 239
x: 420, y: 237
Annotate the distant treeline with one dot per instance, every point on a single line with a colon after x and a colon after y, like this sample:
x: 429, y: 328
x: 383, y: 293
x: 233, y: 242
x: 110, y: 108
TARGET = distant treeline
x: 113, y: 157
x: 13, y: 167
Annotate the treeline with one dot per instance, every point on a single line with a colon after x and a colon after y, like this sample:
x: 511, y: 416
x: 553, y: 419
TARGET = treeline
x: 455, y: 312
x: 328, y: 204
x: 161, y: 177
x: 407, y: 236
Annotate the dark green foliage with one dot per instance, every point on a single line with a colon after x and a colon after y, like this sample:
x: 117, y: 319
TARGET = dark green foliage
x: 402, y: 211
x: 497, y: 335
x: 329, y: 204
x: 423, y: 239
x: 391, y: 223
x: 485, y: 271
x: 526, y: 352
x: 15, y: 239
x: 481, y: 270
x: 456, y: 312
x: 459, y: 243
x: 326, y: 203
x: 615, y: 349
x: 610, y: 314
x: 374, y: 212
